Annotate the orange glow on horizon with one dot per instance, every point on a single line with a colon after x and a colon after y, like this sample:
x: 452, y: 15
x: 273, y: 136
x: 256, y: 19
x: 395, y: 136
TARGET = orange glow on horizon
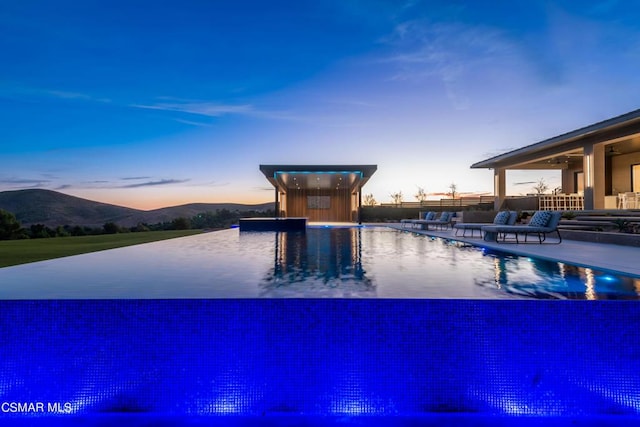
x: 153, y: 201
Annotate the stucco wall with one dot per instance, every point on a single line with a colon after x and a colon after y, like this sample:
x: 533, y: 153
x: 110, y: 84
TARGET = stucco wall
x: 621, y: 171
x: 568, y: 184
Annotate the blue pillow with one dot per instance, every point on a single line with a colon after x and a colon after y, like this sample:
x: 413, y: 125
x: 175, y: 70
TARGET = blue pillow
x: 540, y: 219
x: 445, y: 216
x: 501, y: 218
x: 429, y: 215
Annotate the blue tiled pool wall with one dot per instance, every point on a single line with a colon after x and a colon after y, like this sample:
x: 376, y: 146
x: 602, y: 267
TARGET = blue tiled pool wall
x: 306, y: 357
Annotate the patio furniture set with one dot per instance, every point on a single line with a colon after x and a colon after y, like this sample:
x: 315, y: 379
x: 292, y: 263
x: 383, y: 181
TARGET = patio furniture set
x: 502, y: 230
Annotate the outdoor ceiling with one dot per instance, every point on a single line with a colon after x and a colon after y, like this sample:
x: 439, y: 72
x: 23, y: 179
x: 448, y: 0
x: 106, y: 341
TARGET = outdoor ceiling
x: 318, y: 181
x: 625, y: 146
x: 564, y: 160
x: 557, y: 161
x: 318, y: 177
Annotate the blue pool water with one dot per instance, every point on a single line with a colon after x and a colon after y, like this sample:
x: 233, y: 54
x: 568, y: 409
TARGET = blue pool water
x: 378, y: 338
x: 349, y: 262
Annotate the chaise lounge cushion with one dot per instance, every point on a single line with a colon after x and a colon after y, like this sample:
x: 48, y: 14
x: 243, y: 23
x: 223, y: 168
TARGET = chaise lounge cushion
x: 426, y: 216
x: 442, y: 221
x: 549, y: 220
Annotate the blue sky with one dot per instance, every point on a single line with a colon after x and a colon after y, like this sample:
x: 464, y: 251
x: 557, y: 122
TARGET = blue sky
x: 150, y: 104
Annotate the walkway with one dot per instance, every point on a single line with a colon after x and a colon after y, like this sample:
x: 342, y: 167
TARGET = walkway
x: 612, y: 258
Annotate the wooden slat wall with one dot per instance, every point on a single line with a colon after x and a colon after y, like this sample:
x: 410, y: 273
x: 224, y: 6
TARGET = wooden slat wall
x: 340, y: 210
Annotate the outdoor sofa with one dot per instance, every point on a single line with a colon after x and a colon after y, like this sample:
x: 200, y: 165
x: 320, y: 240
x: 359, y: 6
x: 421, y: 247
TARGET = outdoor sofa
x: 541, y: 224
x: 501, y: 218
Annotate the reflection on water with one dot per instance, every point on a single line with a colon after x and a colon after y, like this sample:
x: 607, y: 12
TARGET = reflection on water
x: 326, y: 262
x: 369, y: 262
x: 543, y: 279
x: 590, y: 283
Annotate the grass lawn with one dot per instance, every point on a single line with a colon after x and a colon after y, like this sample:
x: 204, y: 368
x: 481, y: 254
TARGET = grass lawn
x: 13, y: 252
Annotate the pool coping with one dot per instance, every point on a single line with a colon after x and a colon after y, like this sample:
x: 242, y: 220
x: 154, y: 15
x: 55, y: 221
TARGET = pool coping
x: 617, y: 259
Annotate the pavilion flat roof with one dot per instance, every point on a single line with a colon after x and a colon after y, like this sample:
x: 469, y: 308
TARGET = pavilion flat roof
x: 275, y: 173
x: 270, y: 170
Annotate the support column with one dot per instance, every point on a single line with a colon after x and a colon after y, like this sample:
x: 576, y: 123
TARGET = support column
x: 594, y: 176
x: 277, y: 203
x: 499, y: 187
x: 360, y: 206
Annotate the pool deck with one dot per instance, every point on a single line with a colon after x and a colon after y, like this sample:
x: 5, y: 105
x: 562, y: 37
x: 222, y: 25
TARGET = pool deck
x: 607, y: 257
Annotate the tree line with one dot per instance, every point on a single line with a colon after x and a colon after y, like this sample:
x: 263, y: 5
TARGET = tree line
x: 11, y: 229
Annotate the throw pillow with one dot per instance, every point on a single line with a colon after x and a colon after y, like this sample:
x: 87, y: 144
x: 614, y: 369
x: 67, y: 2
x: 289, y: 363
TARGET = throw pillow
x: 501, y: 218
x: 540, y: 219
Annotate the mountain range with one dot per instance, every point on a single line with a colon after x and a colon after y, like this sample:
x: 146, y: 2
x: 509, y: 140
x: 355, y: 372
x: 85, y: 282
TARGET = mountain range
x: 51, y: 208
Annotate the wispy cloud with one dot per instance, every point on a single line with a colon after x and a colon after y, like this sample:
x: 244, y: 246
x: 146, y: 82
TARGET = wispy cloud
x: 216, y: 109
x: 352, y: 102
x: 67, y: 95
x: 49, y: 176
x: 192, y: 123
x: 155, y: 183
x: 450, y: 51
x: 42, y: 93
x: 62, y: 94
x: 134, y: 178
x: 117, y: 183
x: 208, y: 109
x: 18, y: 183
x: 22, y: 181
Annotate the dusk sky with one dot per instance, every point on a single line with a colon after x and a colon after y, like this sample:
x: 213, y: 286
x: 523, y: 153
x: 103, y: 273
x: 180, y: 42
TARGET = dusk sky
x: 158, y: 103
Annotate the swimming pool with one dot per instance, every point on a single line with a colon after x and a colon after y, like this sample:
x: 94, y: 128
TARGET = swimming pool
x: 340, y: 326
x: 335, y: 262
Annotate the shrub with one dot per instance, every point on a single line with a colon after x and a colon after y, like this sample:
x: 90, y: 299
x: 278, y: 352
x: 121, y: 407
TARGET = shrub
x: 10, y: 227
x: 111, y: 228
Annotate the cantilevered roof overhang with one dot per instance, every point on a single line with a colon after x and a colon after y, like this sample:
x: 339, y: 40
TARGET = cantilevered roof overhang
x: 622, y: 131
x: 321, y: 177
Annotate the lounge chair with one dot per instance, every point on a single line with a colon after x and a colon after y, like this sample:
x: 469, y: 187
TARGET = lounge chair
x: 412, y: 222
x: 501, y: 218
x: 443, y: 221
x: 541, y: 223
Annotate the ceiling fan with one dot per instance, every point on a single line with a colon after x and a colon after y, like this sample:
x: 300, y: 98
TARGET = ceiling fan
x: 612, y: 151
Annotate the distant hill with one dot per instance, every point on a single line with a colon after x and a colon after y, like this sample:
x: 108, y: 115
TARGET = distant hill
x: 192, y: 209
x: 52, y: 208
